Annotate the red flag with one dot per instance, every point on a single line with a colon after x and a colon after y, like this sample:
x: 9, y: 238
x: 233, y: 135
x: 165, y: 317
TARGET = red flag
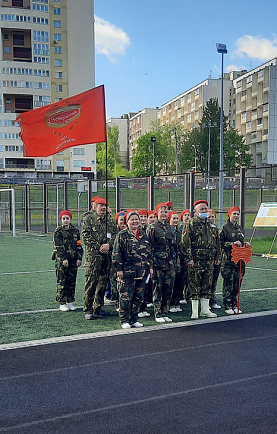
x: 77, y: 120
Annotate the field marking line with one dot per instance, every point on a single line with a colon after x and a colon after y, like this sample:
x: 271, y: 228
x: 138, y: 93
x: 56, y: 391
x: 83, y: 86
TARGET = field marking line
x: 135, y: 357
x: 80, y: 307
x: 138, y: 402
x: 86, y: 336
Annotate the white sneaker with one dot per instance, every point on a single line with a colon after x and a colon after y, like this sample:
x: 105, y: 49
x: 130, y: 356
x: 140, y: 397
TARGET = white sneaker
x: 160, y: 319
x: 146, y: 313
x: 64, y: 308
x: 178, y: 309
x: 141, y: 315
x: 71, y: 306
x: 167, y: 319
x: 183, y: 301
x: 149, y: 305
x: 125, y: 325
x: 236, y: 310
x: 229, y: 311
x: 137, y: 324
x: 173, y: 309
x: 215, y: 306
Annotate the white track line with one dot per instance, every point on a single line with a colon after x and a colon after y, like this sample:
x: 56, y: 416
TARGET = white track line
x: 61, y: 339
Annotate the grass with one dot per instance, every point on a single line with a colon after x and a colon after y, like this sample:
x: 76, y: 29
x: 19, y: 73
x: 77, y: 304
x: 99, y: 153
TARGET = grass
x: 28, y: 283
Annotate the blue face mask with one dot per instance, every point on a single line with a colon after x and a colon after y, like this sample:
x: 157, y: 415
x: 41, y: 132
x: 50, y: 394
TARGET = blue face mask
x: 203, y: 215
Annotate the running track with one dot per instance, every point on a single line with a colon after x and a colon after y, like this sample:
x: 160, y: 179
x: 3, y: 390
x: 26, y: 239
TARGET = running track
x: 214, y: 376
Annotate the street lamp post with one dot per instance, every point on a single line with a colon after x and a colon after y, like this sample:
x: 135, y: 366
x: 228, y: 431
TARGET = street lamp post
x: 153, y: 140
x: 221, y: 48
x: 209, y: 126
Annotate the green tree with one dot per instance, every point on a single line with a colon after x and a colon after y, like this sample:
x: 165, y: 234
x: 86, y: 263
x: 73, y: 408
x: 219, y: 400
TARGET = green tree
x: 113, y: 154
x: 236, y: 151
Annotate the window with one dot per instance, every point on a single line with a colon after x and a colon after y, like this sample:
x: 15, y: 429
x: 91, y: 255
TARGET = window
x: 57, y: 11
x: 60, y: 163
x: 58, y: 75
x: 78, y: 151
x: 6, y: 36
x: 18, y: 38
x: 1, y: 148
x: 1, y: 163
x: 57, y: 37
x: 58, y: 62
x: 78, y: 163
x: 7, y: 50
x: 57, y: 24
x: 58, y: 88
x: 58, y: 50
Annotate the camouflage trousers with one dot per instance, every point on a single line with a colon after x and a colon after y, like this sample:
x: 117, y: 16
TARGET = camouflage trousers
x: 214, y: 283
x: 230, y: 273
x: 97, y: 270
x: 163, y: 282
x: 200, y: 278
x: 66, y: 281
x: 131, y: 294
x: 178, y: 288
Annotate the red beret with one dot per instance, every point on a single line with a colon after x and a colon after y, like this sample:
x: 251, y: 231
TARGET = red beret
x: 234, y: 208
x: 169, y: 204
x: 142, y: 212
x: 101, y: 201
x: 157, y: 207
x: 119, y: 214
x: 200, y: 201
x: 211, y: 210
x: 170, y: 214
x: 185, y: 211
x: 93, y: 199
x: 149, y: 212
x: 65, y: 212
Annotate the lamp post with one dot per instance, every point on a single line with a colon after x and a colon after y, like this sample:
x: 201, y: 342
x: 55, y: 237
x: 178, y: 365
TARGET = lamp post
x: 209, y: 125
x: 221, y: 48
x: 153, y: 140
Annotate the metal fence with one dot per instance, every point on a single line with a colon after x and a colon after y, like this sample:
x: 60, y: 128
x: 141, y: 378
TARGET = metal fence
x: 37, y: 206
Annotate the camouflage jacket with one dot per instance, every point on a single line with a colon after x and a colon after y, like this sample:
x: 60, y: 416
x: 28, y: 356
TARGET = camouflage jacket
x: 94, y: 232
x: 200, y: 240
x: 67, y: 244
x: 132, y: 255
x: 229, y: 234
x: 178, y: 234
x: 163, y: 245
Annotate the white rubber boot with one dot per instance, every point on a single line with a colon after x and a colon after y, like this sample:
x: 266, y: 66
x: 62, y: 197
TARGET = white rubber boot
x: 205, y: 311
x: 194, y: 309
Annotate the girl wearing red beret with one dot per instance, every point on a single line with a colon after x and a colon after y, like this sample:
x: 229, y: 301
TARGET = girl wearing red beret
x: 68, y: 253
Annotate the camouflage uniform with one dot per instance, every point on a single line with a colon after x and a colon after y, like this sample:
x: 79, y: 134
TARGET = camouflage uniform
x: 179, y: 281
x: 164, y: 253
x: 67, y: 245
x: 200, y: 243
x: 132, y: 256
x: 97, y: 265
x: 229, y: 270
x: 216, y: 273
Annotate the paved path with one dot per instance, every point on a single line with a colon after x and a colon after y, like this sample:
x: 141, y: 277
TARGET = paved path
x: 212, y: 377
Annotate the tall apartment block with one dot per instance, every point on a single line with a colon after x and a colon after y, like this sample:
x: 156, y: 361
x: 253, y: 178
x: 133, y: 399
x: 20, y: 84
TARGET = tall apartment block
x: 140, y: 124
x: 255, y: 114
x: 46, y: 54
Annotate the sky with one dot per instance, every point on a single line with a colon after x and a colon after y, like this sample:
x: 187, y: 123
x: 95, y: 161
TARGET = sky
x: 150, y: 51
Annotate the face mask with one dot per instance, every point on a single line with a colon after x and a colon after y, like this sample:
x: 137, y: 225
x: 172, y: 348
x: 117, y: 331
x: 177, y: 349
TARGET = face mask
x: 203, y: 215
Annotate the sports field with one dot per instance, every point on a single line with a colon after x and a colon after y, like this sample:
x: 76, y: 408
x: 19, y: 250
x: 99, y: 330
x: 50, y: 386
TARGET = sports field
x: 28, y: 310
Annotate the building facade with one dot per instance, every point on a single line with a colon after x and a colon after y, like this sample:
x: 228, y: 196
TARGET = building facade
x: 255, y: 113
x: 123, y: 124
x: 46, y: 54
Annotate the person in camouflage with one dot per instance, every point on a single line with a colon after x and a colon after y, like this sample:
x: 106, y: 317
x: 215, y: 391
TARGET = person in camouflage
x: 132, y: 260
x: 201, y: 248
x: 213, y: 302
x: 98, y: 236
x: 230, y: 235
x: 173, y: 220
x: 164, y: 248
x: 68, y: 253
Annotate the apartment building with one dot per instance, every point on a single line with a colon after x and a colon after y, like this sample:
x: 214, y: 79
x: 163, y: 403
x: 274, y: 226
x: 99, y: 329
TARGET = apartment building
x: 46, y: 54
x: 255, y: 113
x: 140, y: 124
x: 123, y: 124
